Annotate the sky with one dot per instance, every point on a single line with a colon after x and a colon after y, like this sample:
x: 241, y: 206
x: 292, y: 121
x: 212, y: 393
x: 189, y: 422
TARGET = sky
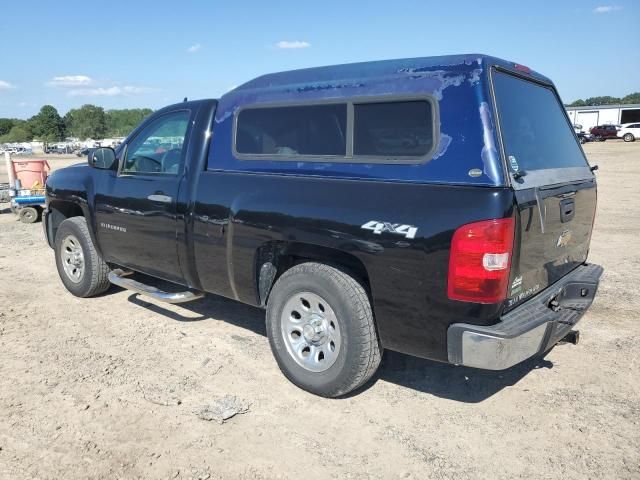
x: 140, y: 53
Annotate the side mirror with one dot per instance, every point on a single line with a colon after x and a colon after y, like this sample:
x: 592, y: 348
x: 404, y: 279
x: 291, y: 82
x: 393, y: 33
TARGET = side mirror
x: 103, y: 158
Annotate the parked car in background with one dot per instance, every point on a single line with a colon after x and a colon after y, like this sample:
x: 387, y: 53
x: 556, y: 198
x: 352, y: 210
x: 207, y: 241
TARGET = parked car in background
x: 601, y: 133
x: 578, y: 128
x: 584, y: 137
x: 84, y: 152
x: 23, y: 151
x: 629, y: 131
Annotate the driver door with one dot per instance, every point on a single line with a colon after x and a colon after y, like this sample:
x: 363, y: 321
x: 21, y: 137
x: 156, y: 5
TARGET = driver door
x: 136, y: 209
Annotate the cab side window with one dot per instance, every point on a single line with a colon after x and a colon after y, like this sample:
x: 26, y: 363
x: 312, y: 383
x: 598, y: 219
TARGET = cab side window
x: 157, y: 149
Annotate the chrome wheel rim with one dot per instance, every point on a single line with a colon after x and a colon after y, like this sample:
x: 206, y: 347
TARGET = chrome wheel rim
x: 310, y: 331
x: 72, y: 258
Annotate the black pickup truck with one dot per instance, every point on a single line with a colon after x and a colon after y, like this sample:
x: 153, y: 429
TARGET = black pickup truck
x: 441, y: 207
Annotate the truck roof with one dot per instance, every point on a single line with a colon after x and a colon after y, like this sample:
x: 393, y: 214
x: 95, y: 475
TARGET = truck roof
x: 466, y: 143
x: 345, y: 74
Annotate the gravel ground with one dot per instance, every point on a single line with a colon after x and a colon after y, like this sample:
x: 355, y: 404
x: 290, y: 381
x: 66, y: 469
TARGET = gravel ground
x: 122, y: 387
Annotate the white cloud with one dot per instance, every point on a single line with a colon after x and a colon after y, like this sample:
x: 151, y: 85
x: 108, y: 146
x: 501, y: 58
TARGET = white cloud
x: 130, y: 90
x: 194, y: 48
x: 5, y: 85
x: 110, y: 91
x: 606, y: 9
x: 96, y: 92
x: 70, y: 81
x: 293, y: 44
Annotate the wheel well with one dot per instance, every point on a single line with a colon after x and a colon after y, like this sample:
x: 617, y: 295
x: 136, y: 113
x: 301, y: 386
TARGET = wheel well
x: 275, y: 258
x: 59, y: 212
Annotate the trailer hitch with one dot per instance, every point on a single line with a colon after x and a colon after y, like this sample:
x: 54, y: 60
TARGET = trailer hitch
x: 556, y: 304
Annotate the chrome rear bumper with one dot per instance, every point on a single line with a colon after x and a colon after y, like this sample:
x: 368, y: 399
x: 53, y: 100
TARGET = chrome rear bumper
x: 531, y: 328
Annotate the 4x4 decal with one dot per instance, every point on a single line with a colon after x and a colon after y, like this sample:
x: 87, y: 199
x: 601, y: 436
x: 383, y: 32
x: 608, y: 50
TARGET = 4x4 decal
x: 409, y: 231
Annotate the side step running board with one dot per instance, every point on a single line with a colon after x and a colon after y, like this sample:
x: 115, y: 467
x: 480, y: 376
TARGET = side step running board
x: 117, y: 277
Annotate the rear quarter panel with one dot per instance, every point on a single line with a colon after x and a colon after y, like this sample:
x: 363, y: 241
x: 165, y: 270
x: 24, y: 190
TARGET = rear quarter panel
x: 237, y: 214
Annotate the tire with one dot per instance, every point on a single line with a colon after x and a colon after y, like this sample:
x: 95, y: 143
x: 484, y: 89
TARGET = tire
x: 335, y: 325
x: 628, y: 137
x: 583, y: 140
x: 599, y: 139
x: 81, y: 269
x: 28, y: 214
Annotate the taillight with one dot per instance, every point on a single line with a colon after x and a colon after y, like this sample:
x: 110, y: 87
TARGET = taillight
x: 522, y: 68
x: 480, y: 261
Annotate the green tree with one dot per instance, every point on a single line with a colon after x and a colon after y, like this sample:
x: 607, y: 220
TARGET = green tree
x: 18, y: 133
x: 632, y: 98
x: 606, y: 100
x: 6, y: 124
x: 88, y: 121
x: 578, y: 103
x: 121, y: 122
x: 47, y: 125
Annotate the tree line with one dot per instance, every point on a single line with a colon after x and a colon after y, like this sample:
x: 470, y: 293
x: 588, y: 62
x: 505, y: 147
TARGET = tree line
x: 607, y: 100
x: 91, y: 121
x: 88, y: 121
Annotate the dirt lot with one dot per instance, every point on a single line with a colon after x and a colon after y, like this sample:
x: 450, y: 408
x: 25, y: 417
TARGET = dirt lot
x: 110, y: 387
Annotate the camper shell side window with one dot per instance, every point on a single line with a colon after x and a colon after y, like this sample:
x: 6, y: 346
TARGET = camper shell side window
x: 393, y: 130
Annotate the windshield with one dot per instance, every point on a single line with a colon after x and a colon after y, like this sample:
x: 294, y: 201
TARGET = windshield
x: 535, y: 131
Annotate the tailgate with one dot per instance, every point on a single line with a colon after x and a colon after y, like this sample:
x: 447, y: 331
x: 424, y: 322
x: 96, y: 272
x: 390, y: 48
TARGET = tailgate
x: 555, y: 190
x: 552, y: 238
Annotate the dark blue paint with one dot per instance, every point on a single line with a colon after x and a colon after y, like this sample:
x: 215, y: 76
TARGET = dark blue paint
x: 459, y: 83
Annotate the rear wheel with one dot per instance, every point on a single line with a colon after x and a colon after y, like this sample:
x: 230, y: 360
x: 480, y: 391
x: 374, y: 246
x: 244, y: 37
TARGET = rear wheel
x: 583, y: 140
x: 81, y: 269
x: 628, y: 137
x: 28, y: 215
x: 321, y: 329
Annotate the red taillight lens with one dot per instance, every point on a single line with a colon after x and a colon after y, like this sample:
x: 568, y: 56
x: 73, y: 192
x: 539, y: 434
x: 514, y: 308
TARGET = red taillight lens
x: 522, y: 68
x: 480, y: 261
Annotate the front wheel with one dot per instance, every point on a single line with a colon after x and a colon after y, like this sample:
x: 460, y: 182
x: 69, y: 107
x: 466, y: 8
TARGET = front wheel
x: 628, y: 137
x: 81, y: 269
x: 321, y: 329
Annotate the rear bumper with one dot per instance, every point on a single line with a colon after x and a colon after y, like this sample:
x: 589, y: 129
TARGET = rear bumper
x: 531, y: 328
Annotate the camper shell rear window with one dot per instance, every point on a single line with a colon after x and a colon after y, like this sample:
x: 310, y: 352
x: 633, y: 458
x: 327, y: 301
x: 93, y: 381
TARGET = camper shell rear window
x: 536, y: 133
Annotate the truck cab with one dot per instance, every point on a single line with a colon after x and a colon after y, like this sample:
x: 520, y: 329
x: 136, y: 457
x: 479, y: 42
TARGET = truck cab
x: 441, y: 207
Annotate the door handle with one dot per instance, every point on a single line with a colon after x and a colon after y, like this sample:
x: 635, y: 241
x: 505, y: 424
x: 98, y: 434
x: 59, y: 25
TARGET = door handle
x: 159, y: 198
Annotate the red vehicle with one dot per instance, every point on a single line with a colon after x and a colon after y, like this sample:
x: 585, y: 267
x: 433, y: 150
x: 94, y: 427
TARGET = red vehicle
x: 601, y: 133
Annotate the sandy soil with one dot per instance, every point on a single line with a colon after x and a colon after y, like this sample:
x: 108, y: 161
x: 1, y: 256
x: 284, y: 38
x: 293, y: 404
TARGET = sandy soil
x: 111, y: 387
